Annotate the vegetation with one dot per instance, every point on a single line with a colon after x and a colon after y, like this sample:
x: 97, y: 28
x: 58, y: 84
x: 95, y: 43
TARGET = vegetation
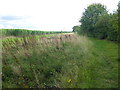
x: 38, y: 59
x: 76, y: 29
x: 24, y: 32
x: 65, y: 61
x: 97, y: 22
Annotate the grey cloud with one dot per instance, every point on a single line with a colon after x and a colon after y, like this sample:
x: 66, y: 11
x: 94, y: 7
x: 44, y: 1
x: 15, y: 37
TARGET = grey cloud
x: 11, y: 18
x: 9, y: 21
x: 7, y: 25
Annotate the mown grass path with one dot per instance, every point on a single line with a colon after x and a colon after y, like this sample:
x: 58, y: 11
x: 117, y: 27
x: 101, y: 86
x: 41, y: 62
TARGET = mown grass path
x: 108, y: 62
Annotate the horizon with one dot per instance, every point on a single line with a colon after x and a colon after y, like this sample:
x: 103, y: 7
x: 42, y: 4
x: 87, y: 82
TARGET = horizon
x: 32, y: 30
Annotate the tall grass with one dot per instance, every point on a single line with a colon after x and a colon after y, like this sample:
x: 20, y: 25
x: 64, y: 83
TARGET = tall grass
x: 64, y: 61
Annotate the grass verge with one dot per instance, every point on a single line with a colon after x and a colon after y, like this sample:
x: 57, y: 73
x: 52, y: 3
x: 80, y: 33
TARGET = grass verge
x: 67, y: 61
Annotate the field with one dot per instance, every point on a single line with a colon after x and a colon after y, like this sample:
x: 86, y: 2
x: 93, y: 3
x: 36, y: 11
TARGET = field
x: 59, y: 61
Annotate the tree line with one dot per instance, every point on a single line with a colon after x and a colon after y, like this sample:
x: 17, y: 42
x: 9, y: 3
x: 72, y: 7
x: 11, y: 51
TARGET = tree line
x: 97, y: 22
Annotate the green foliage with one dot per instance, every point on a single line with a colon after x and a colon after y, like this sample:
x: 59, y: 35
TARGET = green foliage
x: 90, y: 17
x: 113, y: 27
x: 96, y: 22
x: 76, y: 28
x: 102, y: 26
x: 118, y: 22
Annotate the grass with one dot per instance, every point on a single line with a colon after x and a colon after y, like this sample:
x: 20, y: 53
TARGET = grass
x: 66, y: 61
x: 108, y: 54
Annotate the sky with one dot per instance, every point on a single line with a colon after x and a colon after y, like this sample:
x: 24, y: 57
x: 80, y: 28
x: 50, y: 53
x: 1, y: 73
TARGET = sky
x: 46, y: 15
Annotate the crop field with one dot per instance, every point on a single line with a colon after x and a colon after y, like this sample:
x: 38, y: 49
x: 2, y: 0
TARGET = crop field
x: 25, y: 32
x: 59, y: 61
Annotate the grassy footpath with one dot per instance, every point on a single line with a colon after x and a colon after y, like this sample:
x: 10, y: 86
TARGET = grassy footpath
x: 67, y: 61
x: 107, y: 62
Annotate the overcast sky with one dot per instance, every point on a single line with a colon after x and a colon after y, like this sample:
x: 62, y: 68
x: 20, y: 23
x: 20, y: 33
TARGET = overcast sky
x: 46, y: 15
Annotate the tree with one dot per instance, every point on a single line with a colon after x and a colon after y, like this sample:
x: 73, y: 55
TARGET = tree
x: 96, y: 22
x: 118, y: 22
x: 102, y: 27
x: 76, y: 29
x: 113, y: 31
x: 90, y: 18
